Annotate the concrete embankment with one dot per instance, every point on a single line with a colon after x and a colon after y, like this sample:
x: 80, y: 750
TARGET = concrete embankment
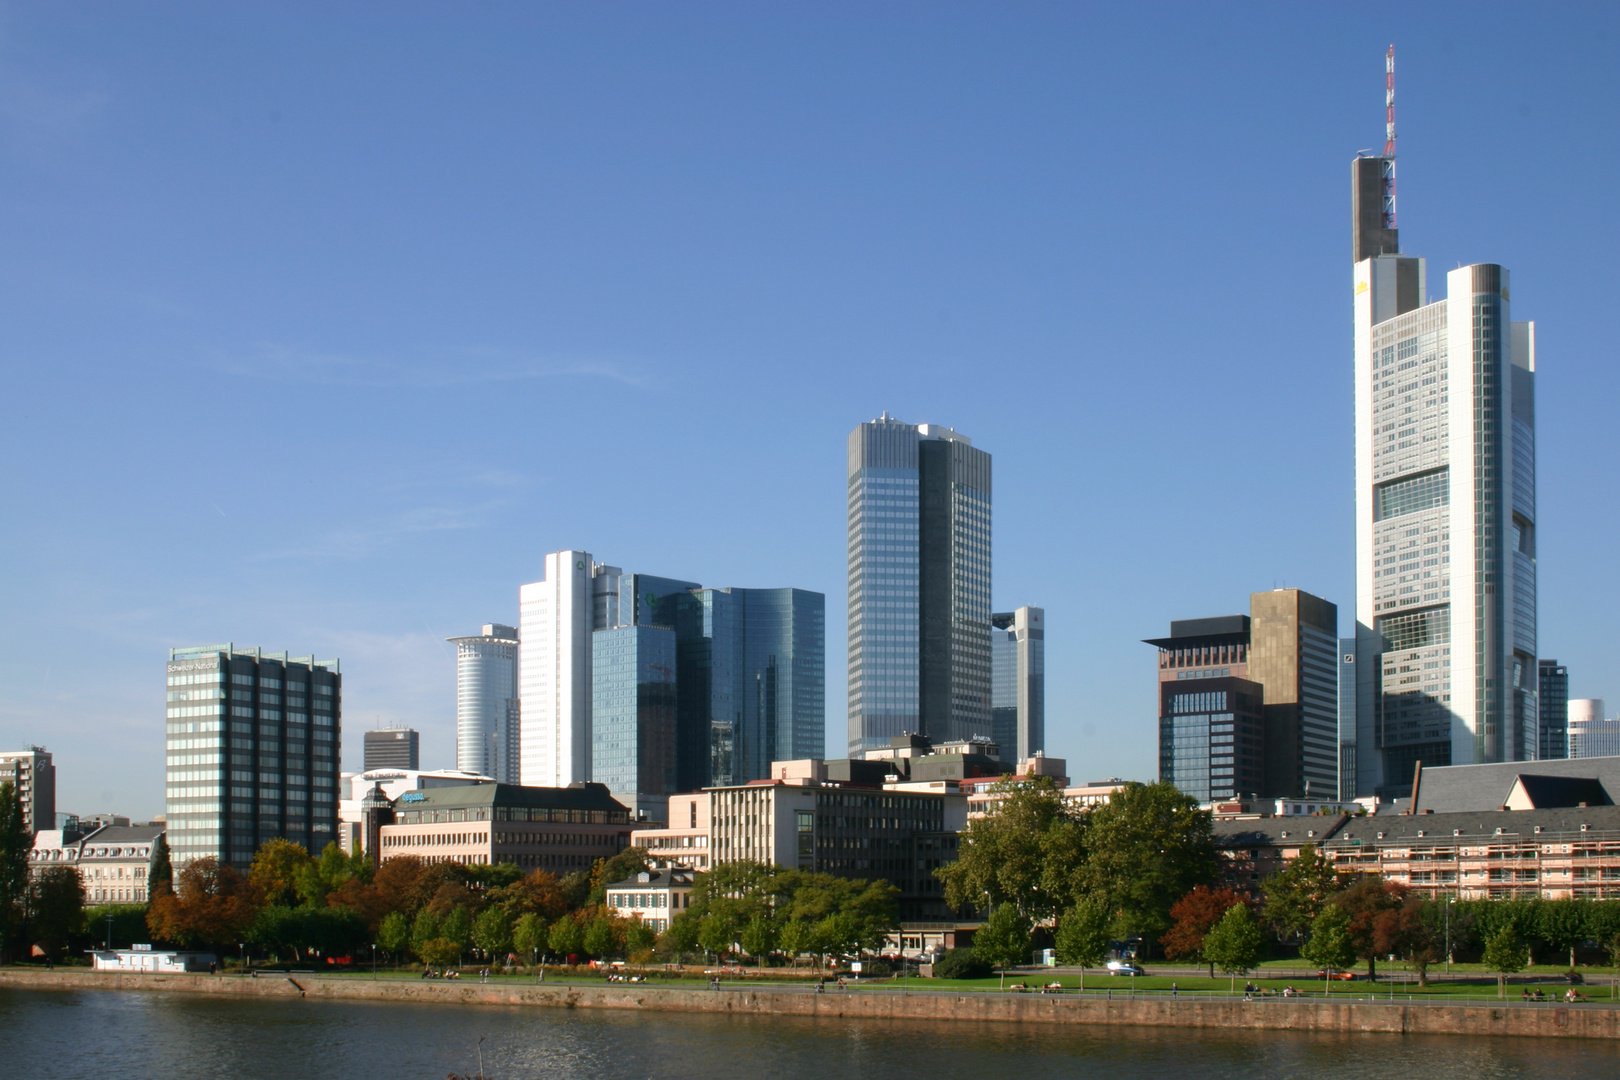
x: 1593, y: 1021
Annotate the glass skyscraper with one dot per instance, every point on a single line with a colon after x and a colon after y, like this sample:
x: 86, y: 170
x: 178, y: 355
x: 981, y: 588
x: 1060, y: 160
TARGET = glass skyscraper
x: 1553, y: 710
x: 919, y: 584
x: 1445, y: 508
x: 633, y: 739
x: 487, y: 703
x: 1018, y: 682
x: 252, y: 741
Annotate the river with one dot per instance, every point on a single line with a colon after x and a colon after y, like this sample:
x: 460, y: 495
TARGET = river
x: 108, y: 1035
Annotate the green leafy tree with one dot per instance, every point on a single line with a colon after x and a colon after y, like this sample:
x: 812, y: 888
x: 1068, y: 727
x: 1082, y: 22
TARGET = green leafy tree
x: 961, y: 964
x: 566, y: 938
x: 796, y: 938
x: 1027, y: 852
x: 600, y: 938
x: 1564, y: 924
x: 759, y: 937
x: 1194, y: 916
x: 681, y: 935
x: 161, y: 878
x: 15, y: 843
x: 441, y: 952
x: 1147, y: 847
x: 394, y: 934
x: 1236, y: 943
x: 639, y: 939
x: 1004, y: 939
x: 1506, y: 954
x: 1330, y: 945
x: 529, y: 936
x: 1083, y: 939
x: 1296, y: 894
x: 424, y: 928
x: 457, y: 927
x: 55, y: 909
x: 492, y: 932
x: 279, y: 867
x: 118, y: 926
x: 621, y: 867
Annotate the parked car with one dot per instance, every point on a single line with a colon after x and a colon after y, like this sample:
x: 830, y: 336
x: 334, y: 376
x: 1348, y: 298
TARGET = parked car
x: 1336, y: 975
x: 1124, y: 967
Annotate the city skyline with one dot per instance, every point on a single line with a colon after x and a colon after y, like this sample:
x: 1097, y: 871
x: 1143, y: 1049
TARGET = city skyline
x: 919, y: 234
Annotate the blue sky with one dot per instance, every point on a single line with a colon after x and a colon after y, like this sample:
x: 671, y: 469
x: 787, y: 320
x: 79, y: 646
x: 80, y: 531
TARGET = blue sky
x: 321, y: 324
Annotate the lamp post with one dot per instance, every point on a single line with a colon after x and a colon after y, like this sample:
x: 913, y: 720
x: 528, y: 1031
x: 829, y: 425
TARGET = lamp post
x: 1449, y: 901
x: 373, y: 959
x: 109, y: 929
x: 241, y: 956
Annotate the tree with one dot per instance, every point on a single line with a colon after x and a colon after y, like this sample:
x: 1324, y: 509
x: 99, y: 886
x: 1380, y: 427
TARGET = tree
x: 394, y: 934
x: 55, y: 909
x: 117, y: 925
x: 1330, y: 944
x: 604, y: 872
x: 1296, y: 894
x: 1506, y: 954
x: 758, y: 937
x: 1564, y: 924
x: 681, y: 935
x: 796, y: 938
x: 639, y: 939
x: 1025, y: 852
x: 440, y: 952
x: 1082, y: 936
x: 537, y: 893
x: 1235, y: 944
x: 1004, y: 939
x: 1408, y: 931
x: 424, y: 928
x: 492, y: 932
x: 1366, y: 901
x: 213, y: 904
x: 1147, y: 847
x: 600, y: 938
x: 15, y: 843
x: 529, y: 935
x: 961, y: 964
x: 457, y: 927
x: 161, y: 878
x: 1195, y: 914
x: 566, y: 939
x: 278, y: 866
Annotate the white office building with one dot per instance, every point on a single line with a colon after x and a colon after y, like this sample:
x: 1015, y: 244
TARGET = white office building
x: 1590, y: 735
x: 487, y: 703
x: 556, y: 618
x: 1445, y: 508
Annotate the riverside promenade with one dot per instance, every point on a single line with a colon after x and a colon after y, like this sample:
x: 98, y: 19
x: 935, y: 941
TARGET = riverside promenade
x: 1538, y: 1020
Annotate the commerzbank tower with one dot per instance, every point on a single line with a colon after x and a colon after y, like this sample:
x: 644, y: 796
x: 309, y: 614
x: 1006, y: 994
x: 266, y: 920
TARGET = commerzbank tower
x: 1445, y: 646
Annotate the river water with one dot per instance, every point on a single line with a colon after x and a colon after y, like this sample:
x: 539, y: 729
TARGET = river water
x: 107, y: 1035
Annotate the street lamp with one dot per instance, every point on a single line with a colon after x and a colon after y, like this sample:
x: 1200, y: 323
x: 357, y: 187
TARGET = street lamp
x: 373, y: 959
x: 241, y: 956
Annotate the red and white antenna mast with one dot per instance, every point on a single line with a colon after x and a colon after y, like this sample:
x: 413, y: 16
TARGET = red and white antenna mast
x: 1389, y: 138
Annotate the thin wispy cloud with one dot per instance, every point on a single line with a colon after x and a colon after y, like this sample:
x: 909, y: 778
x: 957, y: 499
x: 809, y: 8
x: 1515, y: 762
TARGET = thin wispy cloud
x: 457, y: 367
x: 354, y: 543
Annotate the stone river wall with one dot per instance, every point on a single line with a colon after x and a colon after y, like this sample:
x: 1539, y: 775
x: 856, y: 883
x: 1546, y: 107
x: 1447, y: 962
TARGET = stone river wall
x: 1595, y: 1021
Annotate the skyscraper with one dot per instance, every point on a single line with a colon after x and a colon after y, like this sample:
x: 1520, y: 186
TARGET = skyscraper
x: 919, y: 584
x: 1018, y: 682
x: 1212, y: 742
x: 1553, y: 710
x: 33, y: 777
x: 556, y: 618
x: 1445, y: 507
x: 1347, y: 719
x: 487, y: 703
x: 393, y: 748
x: 633, y: 716
x: 1294, y: 654
x: 253, y: 741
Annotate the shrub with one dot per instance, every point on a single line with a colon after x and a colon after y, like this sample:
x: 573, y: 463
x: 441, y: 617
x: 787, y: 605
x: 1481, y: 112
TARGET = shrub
x: 962, y: 964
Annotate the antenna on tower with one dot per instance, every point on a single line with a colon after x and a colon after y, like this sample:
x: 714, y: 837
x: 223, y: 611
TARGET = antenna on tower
x: 1389, y: 138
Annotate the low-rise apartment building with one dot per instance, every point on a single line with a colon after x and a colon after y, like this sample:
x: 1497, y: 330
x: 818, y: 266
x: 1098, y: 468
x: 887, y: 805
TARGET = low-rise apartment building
x: 115, y: 862
x: 535, y: 828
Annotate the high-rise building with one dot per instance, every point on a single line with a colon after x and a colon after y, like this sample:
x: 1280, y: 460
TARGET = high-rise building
x: 392, y: 748
x: 633, y: 746
x: 919, y: 584
x: 1445, y: 507
x: 33, y: 777
x: 1294, y: 654
x: 1590, y: 735
x: 1553, y: 710
x: 1347, y: 719
x: 1212, y: 742
x: 1018, y: 682
x: 488, y: 707
x: 556, y: 619
x: 253, y: 741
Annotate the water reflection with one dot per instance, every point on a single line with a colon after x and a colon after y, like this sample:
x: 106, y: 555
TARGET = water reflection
x: 104, y: 1034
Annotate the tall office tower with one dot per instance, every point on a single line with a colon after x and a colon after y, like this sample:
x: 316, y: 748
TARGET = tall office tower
x: 487, y: 704
x: 1445, y: 507
x: 556, y: 619
x: 919, y: 584
x: 1347, y: 719
x: 253, y: 741
x: 633, y: 716
x: 1212, y: 741
x: 1018, y: 682
x: 1589, y: 734
x: 1294, y: 654
x: 392, y: 748
x: 1553, y: 710
x: 33, y: 777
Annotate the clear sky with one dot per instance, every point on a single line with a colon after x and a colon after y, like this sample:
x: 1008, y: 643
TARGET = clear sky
x: 320, y: 324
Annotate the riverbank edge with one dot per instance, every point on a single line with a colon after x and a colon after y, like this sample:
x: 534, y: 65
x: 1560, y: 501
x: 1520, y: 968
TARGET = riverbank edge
x: 1271, y: 1014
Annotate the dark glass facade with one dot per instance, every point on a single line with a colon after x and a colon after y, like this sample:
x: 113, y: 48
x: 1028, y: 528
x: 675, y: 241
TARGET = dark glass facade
x: 633, y: 699
x: 1212, y: 737
x: 1553, y: 724
x: 252, y: 752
